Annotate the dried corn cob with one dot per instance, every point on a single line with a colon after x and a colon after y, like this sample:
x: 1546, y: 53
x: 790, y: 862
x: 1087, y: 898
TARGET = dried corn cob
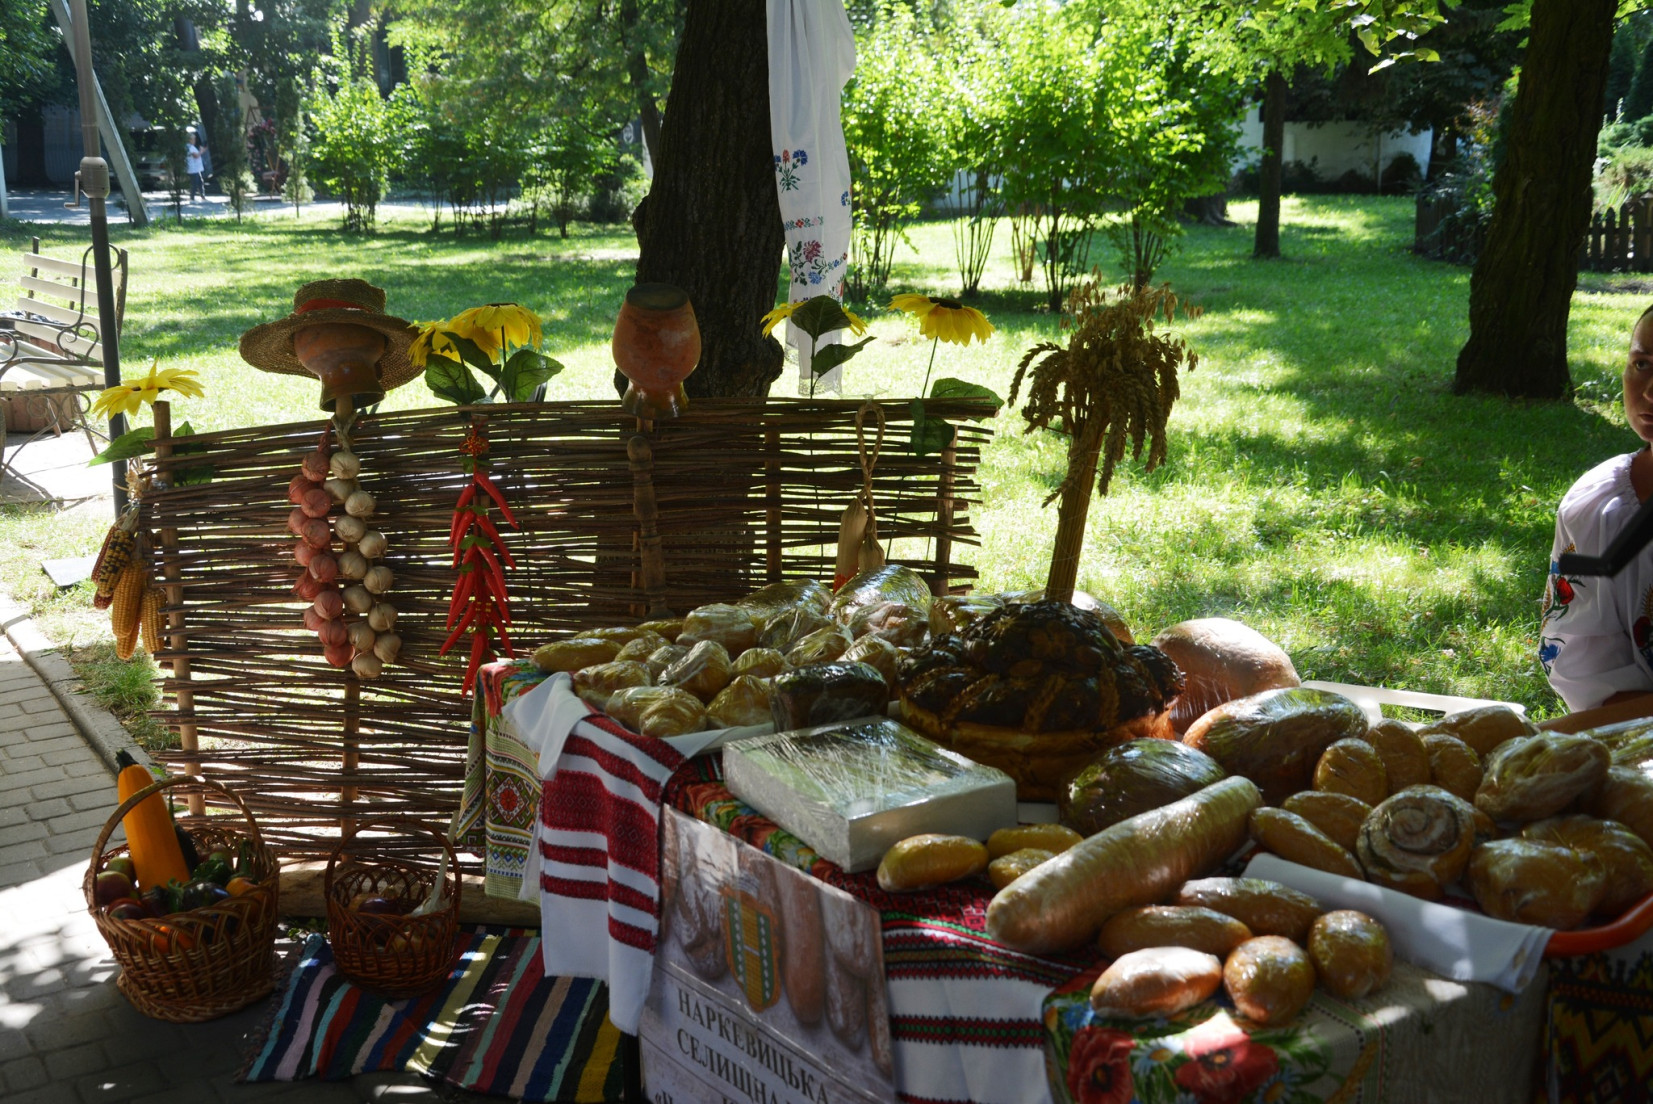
x: 116, y: 553
x: 126, y: 609
x: 153, y: 624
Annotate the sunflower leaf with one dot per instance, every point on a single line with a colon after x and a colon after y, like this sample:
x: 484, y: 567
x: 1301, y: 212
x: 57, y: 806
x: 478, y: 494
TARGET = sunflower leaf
x: 524, y: 372
x: 134, y: 442
x: 949, y: 388
x: 451, y: 380
x: 820, y: 315
x: 825, y: 360
x: 471, y: 353
x: 928, y: 434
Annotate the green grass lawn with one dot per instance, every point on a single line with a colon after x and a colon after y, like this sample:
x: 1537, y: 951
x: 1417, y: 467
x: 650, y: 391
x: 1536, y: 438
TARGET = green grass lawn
x: 1323, y: 484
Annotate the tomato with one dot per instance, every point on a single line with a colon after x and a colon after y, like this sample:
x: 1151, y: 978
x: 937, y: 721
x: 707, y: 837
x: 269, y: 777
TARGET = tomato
x: 166, y: 935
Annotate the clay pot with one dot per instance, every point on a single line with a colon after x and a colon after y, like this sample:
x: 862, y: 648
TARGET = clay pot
x: 656, y: 346
x: 345, y: 358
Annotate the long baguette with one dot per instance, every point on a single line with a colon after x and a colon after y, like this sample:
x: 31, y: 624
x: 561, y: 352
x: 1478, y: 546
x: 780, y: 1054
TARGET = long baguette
x: 1063, y: 903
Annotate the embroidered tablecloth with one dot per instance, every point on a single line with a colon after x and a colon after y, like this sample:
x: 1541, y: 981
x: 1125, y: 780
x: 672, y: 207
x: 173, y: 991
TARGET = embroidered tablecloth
x: 1599, y: 1032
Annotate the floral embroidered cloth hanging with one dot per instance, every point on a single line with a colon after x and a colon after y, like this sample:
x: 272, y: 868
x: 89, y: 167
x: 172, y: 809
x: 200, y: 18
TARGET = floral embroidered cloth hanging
x: 811, y: 57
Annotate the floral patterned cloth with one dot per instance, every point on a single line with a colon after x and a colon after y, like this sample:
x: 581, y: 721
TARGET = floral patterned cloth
x: 1420, y: 1038
x: 811, y: 57
x: 498, y: 806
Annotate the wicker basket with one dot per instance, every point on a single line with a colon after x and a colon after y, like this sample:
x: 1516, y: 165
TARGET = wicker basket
x: 398, y: 953
x: 207, y: 962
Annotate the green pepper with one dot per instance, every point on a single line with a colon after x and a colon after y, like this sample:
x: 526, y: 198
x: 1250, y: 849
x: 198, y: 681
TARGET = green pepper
x: 214, y: 870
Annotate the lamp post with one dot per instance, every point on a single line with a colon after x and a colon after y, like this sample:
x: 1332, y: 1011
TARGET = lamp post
x: 94, y: 182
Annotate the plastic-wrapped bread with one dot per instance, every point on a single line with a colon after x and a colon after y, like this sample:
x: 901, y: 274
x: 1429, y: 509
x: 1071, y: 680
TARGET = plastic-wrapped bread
x: 792, y: 626
x: 1158, y: 981
x: 1625, y: 795
x: 730, y: 626
x: 821, y: 646
x: 759, y: 663
x: 1198, y: 929
x: 877, y: 652
x: 745, y: 701
x: 1351, y: 953
x: 1532, y: 777
x: 669, y: 627
x: 703, y: 672
x: 1221, y: 659
x: 1405, y: 759
x: 661, y: 658
x: 1483, y: 728
x: 890, y: 583
x: 1275, y: 737
x: 1352, y: 766
x: 767, y: 603
x: 595, y: 685
x: 641, y: 646
x: 626, y: 706
x: 1417, y: 841
x: 1626, y: 860
x: 1536, y: 882
x: 1339, y: 816
x: 1296, y: 840
x: 1267, y: 908
x: 1132, y: 778
x: 677, y: 715
x: 620, y: 634
x: 826, y: 693
x: 1270, y: 979
x: 896, y: 622
x: 951, y: 613
x: 1453, y: 765
x: 575, y: 653
x: 1013, y: 864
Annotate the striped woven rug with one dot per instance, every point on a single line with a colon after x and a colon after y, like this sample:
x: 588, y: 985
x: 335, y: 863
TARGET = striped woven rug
x: 498, y: 1025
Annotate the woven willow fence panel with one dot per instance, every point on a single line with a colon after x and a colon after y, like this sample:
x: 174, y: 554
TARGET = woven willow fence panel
x: 748, y: 492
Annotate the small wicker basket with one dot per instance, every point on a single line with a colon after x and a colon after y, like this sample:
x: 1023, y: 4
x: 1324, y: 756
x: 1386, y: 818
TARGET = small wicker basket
x: 410, y: 947
x: 207, y: 962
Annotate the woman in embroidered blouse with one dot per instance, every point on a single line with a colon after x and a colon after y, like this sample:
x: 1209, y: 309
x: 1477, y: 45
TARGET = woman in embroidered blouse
x: 1597, y: 637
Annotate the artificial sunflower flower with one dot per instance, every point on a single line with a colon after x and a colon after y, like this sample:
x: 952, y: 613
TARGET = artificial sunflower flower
x: 126, y: 398
x: 944, y: 319
x: 431, y: 340
x: 857, y: 325
x: 495, y: 324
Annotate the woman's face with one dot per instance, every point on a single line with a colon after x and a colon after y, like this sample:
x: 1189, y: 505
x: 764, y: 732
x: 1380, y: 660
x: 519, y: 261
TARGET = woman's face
x: 1638, y: 380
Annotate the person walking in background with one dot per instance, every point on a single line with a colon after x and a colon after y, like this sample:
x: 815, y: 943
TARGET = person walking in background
x: 194, y: 166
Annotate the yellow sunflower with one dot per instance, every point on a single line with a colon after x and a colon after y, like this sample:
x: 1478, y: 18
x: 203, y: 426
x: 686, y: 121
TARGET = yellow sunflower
x: 127, y: 398
x: 431, y: 339
x: 944, y: 319
x: 857, y: 325
x: 496, y: 323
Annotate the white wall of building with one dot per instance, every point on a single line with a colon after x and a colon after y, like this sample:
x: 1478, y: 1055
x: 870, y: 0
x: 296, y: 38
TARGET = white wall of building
x: 1336, y: 148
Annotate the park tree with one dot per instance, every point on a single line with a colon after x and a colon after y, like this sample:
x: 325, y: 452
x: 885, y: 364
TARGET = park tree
x: 27, y: 53
x: 1521, y: 291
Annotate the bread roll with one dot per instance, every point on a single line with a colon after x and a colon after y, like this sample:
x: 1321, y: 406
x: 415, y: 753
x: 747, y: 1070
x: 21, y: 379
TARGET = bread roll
x: 626, y: 706
x: 1296, y: 840
x: 661, y: 658
x: 1267, y: 908
x: 928, y: 860
x: 595, y: 685
x: 1339, y: 816
x: 640, y: 647
x: 1626, y: 860
x: 792, y: 626
x: 669, y: 627
x: 821, y: 646
x: 1159, y: 981
x: 1012, y: 865
x: 1351, y: 953
x: 729, y: 626
x: 1054, y: 838
x: 745, y: 701
x: 1453, y: 765
x: 1275, y: 738
x: 1533, y: 882
x: 1482, y: 729
x: 1533, y: 777
x: 1417, y: 841
x: 1353, y: 767
x: 678, y: 715
x: 703, y: 672
x: 1198, y: 929
x: 878, y: 653
x: 759, y: 663
x: 1405, y: 759
x: 1221, y: 660
x: 1269, y: 979
x: 1625, y: 795
x: 575, y: 653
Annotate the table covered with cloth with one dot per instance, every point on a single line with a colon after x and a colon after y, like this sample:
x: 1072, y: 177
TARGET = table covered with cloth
x: 972, y: 1020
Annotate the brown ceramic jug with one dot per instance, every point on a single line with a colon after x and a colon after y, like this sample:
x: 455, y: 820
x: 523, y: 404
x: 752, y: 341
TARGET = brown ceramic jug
x: 656, y: 346
x: 345, y: 358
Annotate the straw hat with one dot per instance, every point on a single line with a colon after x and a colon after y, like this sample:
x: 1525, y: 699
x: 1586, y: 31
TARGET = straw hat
x: 270, y: 346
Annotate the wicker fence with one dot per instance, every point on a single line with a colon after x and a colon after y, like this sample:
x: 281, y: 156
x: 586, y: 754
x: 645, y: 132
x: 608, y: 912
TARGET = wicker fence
x: 748, y: 492
x: 1617, y: 241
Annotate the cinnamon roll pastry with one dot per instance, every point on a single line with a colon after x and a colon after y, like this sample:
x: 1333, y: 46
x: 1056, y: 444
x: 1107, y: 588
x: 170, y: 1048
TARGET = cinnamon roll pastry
x: 1417, y: 841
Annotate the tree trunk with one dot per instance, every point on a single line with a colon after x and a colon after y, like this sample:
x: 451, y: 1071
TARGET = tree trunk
x: 711, y: 223
x: 637, y: 72
x: 1522, y: 287
x: 1268, y: 174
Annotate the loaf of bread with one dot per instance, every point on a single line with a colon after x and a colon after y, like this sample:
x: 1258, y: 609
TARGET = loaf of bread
x: 1534, y: 882
x: 759, y: 663
x: 1221, y: 660
x: 703, y: 672
x: 803, y: 947
x: 1482, y: 728
x: 731, y: 627
x: 1131, y: 778
x: 1351, y: 953
x: 1270, y: 979
x: 745, y: 701
x: 595, y: 685
x: 575, y: 653
x: 1159, y: 981
x: 1296, y: 840
x: 661, y: 658
x: 1625, y: 795
x: 1275, y: 738
x: 1339, y: 816
x: 1533, y: 777
x: 1405, y: 759
x: 1352, y: 766
x: 1453, y: 765
x: 1198, y: 929
x: 1267, y: 908
x: 1627, y: 861
x: 640, y: 647
x: 626, y: 706
x: 677, y: 715
x: 1417, y: 841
